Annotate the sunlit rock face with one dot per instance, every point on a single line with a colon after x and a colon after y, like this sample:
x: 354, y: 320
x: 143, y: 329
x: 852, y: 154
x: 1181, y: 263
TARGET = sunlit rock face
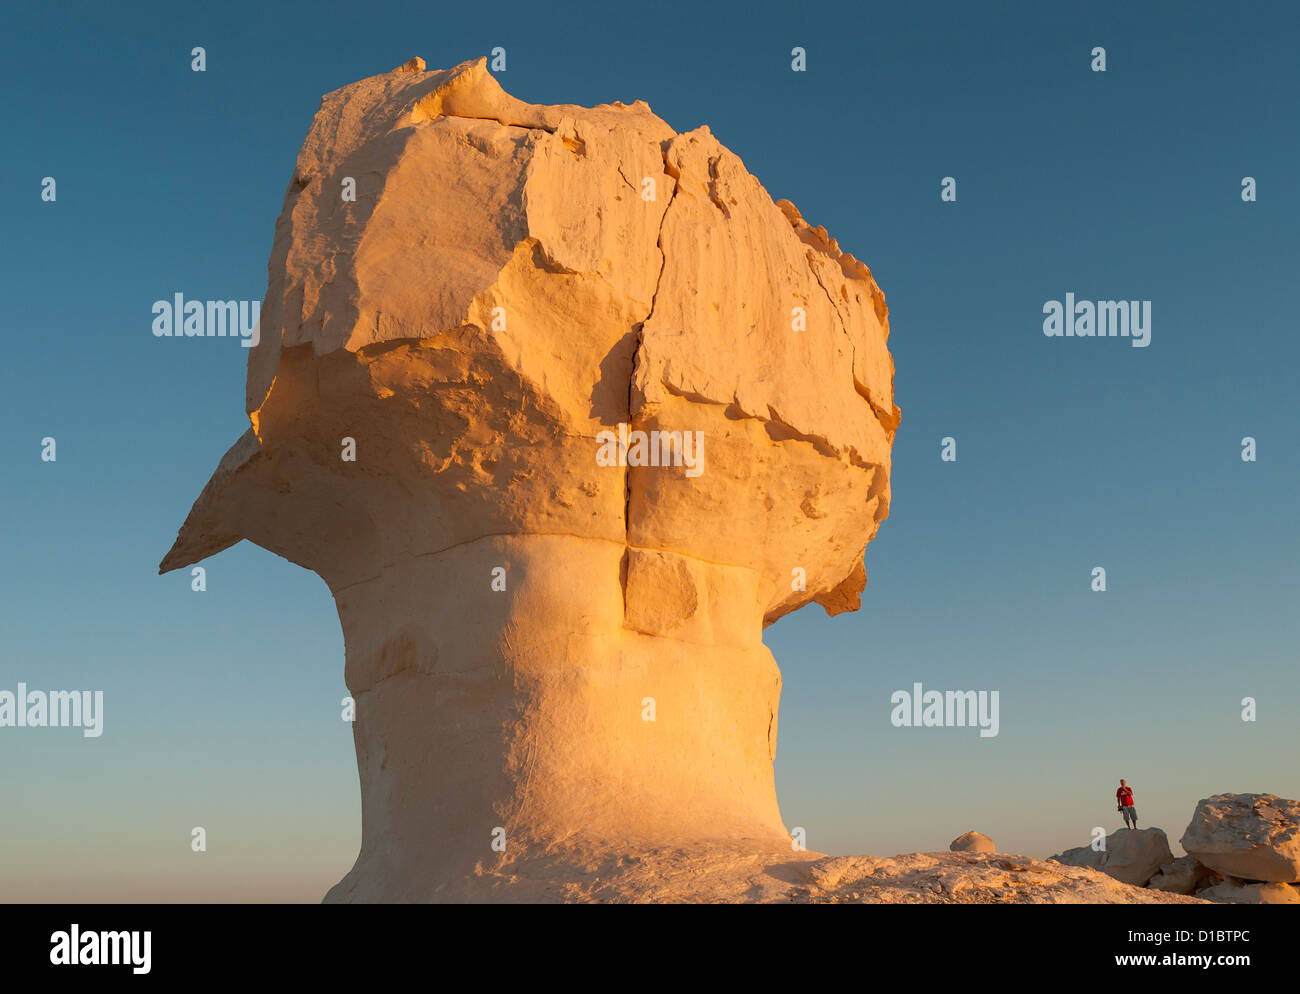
x: 1249, y: 836
x: 564, y: 409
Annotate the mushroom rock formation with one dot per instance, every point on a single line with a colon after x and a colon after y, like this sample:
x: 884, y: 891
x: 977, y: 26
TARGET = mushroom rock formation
x: 554, y: 641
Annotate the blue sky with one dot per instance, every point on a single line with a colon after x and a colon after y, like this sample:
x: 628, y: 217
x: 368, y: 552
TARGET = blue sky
x: 222, y: 707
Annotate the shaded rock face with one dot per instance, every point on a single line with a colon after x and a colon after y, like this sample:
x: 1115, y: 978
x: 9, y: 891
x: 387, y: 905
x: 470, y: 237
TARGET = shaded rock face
x: 554, y: 655
x: 1132, y: 856
x: 972, y: 842
x: 1184, y: 875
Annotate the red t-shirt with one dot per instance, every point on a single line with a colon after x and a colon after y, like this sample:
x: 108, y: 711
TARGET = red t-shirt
x: 1125, y: 797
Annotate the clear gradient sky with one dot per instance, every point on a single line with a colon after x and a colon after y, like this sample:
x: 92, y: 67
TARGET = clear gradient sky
x: 222, y: 707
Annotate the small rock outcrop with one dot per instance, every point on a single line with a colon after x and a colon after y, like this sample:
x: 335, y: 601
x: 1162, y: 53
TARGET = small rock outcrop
x: 1132, y: 855
x: 972, y: 842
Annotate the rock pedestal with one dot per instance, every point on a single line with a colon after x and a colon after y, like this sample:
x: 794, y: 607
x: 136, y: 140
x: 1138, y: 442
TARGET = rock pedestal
x: 564, y: 409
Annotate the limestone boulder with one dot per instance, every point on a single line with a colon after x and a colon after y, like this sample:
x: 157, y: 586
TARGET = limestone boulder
x: 972, y: 842
x: 1251, y: 836
x: 1132, y: 856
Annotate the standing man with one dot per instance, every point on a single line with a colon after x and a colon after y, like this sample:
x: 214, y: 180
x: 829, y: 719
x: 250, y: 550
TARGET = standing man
x: 1124, y: 798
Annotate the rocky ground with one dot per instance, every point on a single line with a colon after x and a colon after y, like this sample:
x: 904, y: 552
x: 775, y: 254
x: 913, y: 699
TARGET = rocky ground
x: 1241, y: 849
x: 966, y: 878
x: 719, y: 875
